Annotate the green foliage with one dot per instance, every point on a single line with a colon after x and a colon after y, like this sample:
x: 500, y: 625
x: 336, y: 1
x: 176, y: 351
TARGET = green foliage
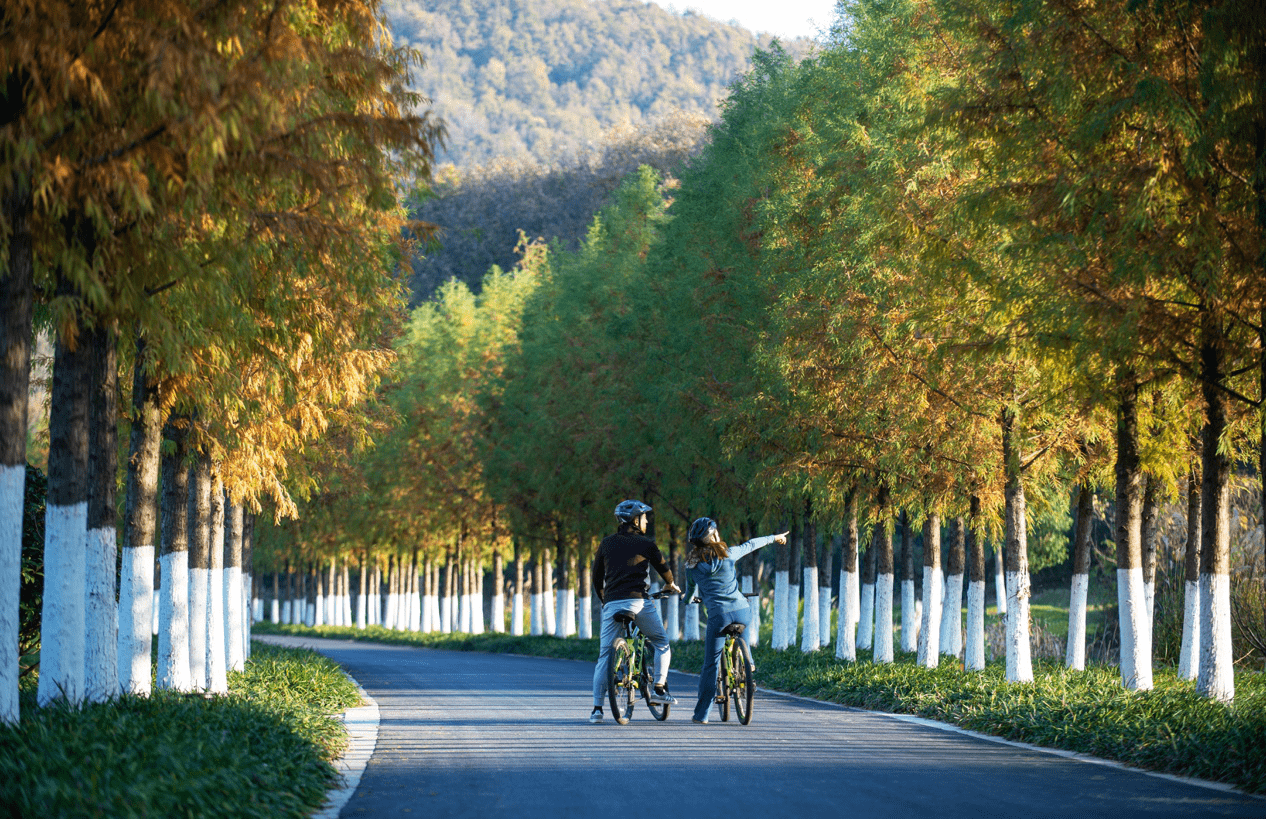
x: 263, y: 750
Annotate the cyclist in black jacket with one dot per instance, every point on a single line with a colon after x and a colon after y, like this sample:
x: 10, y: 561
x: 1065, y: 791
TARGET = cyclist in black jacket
x: 620, y: 580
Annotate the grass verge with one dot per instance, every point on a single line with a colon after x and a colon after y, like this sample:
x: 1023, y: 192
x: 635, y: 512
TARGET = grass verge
x: 1170, y: 729
x: 264, y: 750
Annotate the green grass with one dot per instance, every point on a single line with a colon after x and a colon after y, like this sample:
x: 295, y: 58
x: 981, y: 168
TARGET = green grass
x: 264, y: 750
x: 1169, y: 729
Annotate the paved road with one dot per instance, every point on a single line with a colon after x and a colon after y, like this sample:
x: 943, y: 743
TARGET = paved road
x: 465, y: 734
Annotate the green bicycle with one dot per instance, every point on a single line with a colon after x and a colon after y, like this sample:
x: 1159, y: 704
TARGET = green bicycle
x: 735, y: 674
x: 632, y: 663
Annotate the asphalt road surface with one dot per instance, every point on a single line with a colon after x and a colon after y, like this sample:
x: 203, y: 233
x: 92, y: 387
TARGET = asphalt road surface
x: 479, y: 735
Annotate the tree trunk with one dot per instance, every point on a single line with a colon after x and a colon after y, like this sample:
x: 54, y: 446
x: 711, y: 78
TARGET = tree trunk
x: 516, y: 606
x: 498, y: 593
x: 1019, y: 651
x: 66, y: 526
x: 909, y: 625
x: 345, y: 595
x: 199, y: 569
x: 999, y: 580
x: 1136, y: 634
x: 826, y: 565
x: 585, y: 613
x: 548, y: 594
x: 782, y: 595
x: 173, y: 633
x: 564, y: 584
x: 538, y: 583
x: 136, y: 589
x: 1189, y: 654
x: 672, y: 622
x: 870, y: 574
x: 930, y: 630
x: 883, y: 582
x: 974, y: 648
x: 1216, y: 676
x: 850, y: 589
x: 248, y: 573
x: 1075, y: 656
x: 101, y: 669
x: 793, y: 578
x: 811, y: 633
x: 1149, y: 529
x: 235, y: 598
x: 217, y: 639
x: 276, y: 605
x: 17, y: 291
x: 951, y: 638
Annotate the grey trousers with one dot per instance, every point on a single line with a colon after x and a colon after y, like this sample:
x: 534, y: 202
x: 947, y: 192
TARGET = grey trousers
x: 646, y: 615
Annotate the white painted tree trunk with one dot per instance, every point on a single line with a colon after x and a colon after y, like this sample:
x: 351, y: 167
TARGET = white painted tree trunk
x: 824, y: 616
x: 1189, y: 654
x: 217, y: 640
x: 811, y: 634
x: 321, y: 609
x: 883, y: 618
x: 782, y: 593
x: 62, y: 616
x: 173, y: 632
x: 753, y: 610
x: 951, y: 638
x: 101, y: 616
x: 235, y: 603
x: 672, y: 623
x: 1075, y: 653
x: 136, y: 619
x: 12, y: 502
x: 866, y: 617
x: 516, y: 614
x: 1000, y: 585
x: 1215, y: 678
x: 690, y: 631
x: 974, y: 649
x: 909, y: 629
x: 346, y: 611
x: 847, y: 616
x: 274, y: 611
x: 569, y: 628
x: 285, y: 612
x: 549, y: 603
x: 498, y: 613
x: 198, y: 614
x: 1019, y: 651
x: 793, y: 609
x: 538, y: 621
x: 930, y: 628
x: 1136, y: 652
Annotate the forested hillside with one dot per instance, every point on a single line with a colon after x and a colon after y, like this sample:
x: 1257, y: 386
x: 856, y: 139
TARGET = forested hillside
x: 545, y: 78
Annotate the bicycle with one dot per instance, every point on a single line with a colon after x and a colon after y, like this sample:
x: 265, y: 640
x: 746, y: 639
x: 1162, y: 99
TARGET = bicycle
x: 632, y: 663
x: 735, y: 673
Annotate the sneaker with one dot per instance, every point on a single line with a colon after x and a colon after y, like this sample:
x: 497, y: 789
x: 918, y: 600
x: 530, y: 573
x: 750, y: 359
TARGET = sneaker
x: 662, y: 697
x: 595, y: 716
x: 699, y: 721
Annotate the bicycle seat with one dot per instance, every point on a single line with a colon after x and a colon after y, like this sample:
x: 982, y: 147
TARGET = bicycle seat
x: 623, y: 617
x: 734, y: 628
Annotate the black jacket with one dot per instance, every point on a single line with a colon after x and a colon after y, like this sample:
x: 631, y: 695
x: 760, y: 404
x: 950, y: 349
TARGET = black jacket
x: 620, y: 567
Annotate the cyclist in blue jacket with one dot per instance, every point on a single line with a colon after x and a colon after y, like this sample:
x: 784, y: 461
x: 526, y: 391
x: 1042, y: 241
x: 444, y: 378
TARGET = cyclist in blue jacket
x: 710, y: 565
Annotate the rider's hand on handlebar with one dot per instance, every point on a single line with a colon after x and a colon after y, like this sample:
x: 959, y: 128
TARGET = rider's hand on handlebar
x: 782, y: 538
x: 671, y: 588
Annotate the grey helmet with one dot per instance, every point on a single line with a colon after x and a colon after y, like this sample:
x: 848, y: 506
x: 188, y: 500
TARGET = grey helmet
x: 699, y: 530
x: 630, y: 510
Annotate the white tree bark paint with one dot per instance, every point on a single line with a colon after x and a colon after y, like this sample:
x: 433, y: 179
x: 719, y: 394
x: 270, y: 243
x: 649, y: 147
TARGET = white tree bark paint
x: 866, y: 618
x: 198, y: 614
x: 690, y: 631
x: 951, y: 637
x: 498, y: 613
x: 909, y: 629
x: 930, y: 631
x: 101, y: 615
x: 321, y: 609
x: 585, y: 622
x: 549, y: 604
x: 1136, y: 654
x: 285, y: 611
x: 12, y: 501
x: 883, y: 618
x: 824, y: 616
x: 274, y: 611
x: 235, y: 620
x: 811, y: 634
x: 560, y: 617
x: 173, y: 634
x: 1075, y: 652
x: 1000, y: 585
x: 847, y: 616
x: 974, y: 649
x: 537, y: 624
x: 1019, y: 653
x: 516, y: 614
x: 1189, y: 654
x: 136, y: 619
x: 346, y: 611
x: 569, y: 628
x: 782, y: 593
x: 793, y: 610
x: 672, y: 623
x: 1215, y: 678
x: 217, y: 611
x: 62, y: 616
x: 1149, y: 602
x: 753, y: 610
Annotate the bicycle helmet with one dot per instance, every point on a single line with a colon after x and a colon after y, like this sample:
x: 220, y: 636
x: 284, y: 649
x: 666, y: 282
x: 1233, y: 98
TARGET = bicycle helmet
x: 699, y: 530
x: 630, y: 510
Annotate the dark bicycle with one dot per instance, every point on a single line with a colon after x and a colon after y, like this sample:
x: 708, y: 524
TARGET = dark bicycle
x: 735, y: 673
x: 632, y: 664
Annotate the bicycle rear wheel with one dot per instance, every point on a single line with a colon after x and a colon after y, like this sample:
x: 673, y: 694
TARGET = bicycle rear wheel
x: 744, y: 683
x: 621, y: 682
x: 659, y: 712
x: 723, y: 686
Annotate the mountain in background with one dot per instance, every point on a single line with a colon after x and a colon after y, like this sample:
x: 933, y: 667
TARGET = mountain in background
x: 546, y: 78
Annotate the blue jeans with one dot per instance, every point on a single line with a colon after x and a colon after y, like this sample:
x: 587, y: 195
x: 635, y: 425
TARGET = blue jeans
x: 646, y: 615
x: 713, y: 645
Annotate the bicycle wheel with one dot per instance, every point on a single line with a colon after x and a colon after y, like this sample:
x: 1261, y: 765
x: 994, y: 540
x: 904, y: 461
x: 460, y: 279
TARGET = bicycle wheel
x: 620, y: 682
x: 647, y: 679
x: 723, y: 686
x: 744, y: 683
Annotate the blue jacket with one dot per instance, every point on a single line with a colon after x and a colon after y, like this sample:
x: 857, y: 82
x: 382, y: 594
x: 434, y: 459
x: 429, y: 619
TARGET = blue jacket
x: 716, y: 582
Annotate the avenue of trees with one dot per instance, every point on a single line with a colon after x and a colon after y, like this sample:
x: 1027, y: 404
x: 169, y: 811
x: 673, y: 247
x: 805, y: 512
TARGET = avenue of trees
x: 973, y: 266
x: 201, y: 206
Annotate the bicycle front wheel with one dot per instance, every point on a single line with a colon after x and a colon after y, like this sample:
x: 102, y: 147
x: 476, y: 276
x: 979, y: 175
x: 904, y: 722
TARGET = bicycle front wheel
x: 744, y: 690
x: 723, y: 686
x: 621, y: 682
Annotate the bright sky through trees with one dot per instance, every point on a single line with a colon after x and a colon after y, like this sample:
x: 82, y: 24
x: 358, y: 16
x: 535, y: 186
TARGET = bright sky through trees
x: 790, y: 18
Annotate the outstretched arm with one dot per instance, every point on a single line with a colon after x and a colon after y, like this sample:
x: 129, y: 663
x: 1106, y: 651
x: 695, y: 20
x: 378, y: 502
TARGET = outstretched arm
x: 745, y: 549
